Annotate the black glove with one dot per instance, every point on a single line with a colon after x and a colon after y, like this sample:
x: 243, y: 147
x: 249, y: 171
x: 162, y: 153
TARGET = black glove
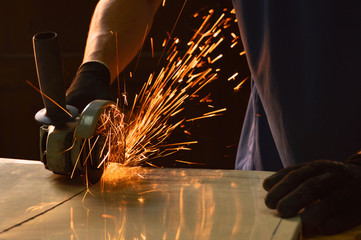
x: 90, y: 83
x: 327, y: 194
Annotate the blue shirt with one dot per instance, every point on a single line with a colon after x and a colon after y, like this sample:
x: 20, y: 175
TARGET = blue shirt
x: 305, y: 61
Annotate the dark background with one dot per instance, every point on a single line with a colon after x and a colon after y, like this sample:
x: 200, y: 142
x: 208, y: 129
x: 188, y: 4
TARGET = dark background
x: 21, y: 19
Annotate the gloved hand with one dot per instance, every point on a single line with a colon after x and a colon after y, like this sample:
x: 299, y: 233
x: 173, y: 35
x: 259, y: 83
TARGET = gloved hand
x: 327, y: 194
x: 90, y: 83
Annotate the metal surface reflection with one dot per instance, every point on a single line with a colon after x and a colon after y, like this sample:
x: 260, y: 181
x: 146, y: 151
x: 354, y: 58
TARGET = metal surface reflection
x: 164, y: 204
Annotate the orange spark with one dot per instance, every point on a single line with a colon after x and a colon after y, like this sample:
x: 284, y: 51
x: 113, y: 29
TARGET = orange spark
x: 240, y: 85
x: 187, y: 132
x: 32, y: 85
x: 216, y: 33
x: 144, y: 37
x: 190, y: 163
x: 108, y: 216
x: 202, y: 117
x: 216, y: 111
x: 206, y: 99
x: 71, y: 219
x: 218, y: 57
x: 117, y: 57
x: 233, y: 76
x: 150, y: 191
x: 164, y: 42
x: 151, y: 44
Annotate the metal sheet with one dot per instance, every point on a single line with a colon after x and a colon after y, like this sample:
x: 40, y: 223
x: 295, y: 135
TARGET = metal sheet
x: 152, y: 204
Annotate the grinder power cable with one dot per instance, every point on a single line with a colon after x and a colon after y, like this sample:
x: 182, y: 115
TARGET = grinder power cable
x: 64, y: 131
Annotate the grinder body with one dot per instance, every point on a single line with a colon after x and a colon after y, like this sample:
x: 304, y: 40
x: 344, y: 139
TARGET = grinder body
x: 68, y: 148
x: 65, y: 135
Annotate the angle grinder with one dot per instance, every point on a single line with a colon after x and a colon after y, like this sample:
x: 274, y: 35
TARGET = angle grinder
x: 67, y: 137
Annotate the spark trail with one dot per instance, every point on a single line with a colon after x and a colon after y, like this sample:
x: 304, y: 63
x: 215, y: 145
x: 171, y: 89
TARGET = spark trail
x: 139, y: 135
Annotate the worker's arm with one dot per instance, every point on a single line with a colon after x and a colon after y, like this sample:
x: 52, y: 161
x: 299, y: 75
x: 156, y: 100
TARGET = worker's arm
x: 129, y: 20
x: 122, y: 20
x: 326, y: 193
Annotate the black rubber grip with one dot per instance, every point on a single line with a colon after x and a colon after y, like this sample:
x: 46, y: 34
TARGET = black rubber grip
x: 50, y: 74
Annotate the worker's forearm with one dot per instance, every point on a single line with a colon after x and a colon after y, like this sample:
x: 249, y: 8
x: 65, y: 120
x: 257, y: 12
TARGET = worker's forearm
x: 129, y: 19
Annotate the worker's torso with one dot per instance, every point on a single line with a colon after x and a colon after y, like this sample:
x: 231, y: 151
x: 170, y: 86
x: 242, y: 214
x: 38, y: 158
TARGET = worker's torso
x: 305, y: 60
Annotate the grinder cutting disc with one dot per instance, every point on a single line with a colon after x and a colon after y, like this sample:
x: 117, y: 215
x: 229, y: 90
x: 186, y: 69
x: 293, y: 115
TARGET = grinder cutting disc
x: 93, y: 167
x: 92, y: 154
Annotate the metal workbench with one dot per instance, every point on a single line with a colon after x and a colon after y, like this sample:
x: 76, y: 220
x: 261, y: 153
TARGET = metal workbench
x: 154, y: 204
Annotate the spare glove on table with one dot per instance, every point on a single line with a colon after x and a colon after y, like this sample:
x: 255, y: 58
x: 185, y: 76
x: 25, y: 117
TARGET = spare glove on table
x: 326, y: 193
